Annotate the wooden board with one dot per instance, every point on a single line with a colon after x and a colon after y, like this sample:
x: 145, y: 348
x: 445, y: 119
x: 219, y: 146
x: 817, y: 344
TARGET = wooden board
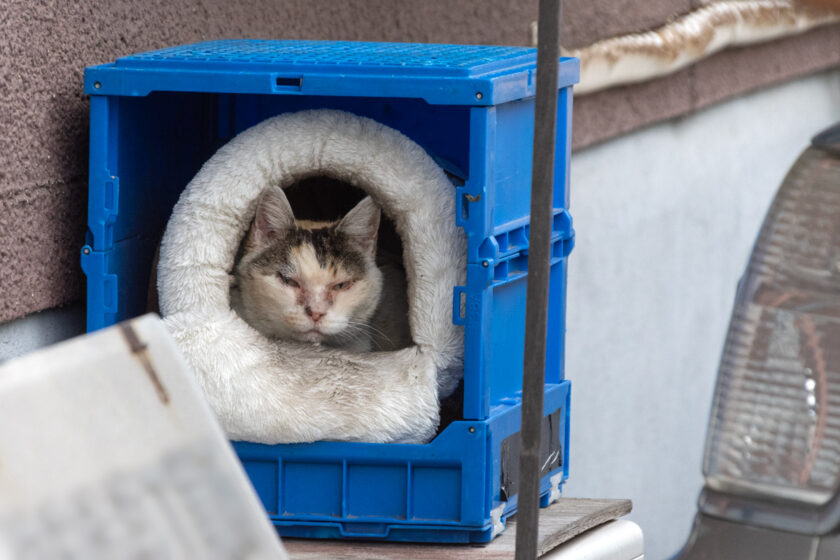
x: 563, y: 520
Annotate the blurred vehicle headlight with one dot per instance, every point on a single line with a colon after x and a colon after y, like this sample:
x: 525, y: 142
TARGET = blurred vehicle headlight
x: 772, y: 453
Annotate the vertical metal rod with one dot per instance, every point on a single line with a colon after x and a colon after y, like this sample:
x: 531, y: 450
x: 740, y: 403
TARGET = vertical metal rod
x: 539, y: 254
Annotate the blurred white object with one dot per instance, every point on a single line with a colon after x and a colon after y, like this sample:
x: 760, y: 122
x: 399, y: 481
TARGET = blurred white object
x: 616, y: 540
x: 108, y: 450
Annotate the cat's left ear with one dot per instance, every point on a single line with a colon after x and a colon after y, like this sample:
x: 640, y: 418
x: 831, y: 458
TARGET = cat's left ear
x: 361, y: 225
x: 274, y: 215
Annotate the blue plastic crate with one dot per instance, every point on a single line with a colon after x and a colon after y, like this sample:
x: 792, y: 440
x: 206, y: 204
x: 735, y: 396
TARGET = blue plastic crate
x: 157, y: 116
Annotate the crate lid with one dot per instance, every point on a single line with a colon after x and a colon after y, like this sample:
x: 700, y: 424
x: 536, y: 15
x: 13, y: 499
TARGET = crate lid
x: 440, y: 74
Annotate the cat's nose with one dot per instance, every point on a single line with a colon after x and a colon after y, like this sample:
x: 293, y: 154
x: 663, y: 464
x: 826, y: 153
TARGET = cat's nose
x: 314, y: 315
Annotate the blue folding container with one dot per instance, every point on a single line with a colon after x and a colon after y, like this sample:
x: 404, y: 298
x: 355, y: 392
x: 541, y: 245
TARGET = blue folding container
x: 155, y: 117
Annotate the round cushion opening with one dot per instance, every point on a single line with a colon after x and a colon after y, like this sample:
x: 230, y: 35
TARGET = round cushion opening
x: 259, y: 387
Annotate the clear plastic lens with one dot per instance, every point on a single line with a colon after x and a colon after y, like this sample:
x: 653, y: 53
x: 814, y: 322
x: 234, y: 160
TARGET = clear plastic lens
x: 775, y: 424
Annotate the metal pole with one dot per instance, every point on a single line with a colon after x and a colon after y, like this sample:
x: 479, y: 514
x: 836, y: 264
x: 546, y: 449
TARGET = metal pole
x: 539, y: 254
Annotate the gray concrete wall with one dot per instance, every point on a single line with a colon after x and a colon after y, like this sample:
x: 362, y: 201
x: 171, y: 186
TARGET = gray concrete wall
x: 665, y: 221
x: 39, y: 330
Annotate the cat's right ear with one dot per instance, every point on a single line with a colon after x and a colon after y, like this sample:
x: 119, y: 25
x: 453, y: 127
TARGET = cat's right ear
x: 274, y: 215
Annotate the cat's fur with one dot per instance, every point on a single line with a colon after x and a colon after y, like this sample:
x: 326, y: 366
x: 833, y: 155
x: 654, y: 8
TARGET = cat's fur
x: 315, y: 282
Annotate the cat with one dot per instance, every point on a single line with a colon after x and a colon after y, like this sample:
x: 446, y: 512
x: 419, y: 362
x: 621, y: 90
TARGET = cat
x: 318, y: 282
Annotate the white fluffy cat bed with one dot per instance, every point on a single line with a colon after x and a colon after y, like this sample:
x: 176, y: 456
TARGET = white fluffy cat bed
x: 278, y: 392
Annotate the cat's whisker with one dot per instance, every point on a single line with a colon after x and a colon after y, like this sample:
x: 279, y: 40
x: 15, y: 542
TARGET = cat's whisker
x: 353, y: 329
x: 371, y: 328
x: 350, y: 333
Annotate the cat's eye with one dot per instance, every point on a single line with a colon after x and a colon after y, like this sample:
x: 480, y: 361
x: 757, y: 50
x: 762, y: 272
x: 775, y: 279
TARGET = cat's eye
x: 342, y: 286
x: 289, y: 281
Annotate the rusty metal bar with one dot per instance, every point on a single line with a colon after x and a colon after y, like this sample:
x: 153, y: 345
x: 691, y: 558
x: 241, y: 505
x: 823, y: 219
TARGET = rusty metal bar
x: 539, y: 254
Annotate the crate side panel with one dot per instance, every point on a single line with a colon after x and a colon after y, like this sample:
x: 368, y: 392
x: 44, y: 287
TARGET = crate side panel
x: 499, y: 232
x: 563, y: 148
x: 436, y: 493
x: 556, y: 335
x: 376, y: 490
x: 103, y: 144
x: 264, y: 476
x: 118, y: 281
x: 477, y: 352
x: 474, y: 210
x: 506, y: 340
x: 442, y: 482
x: 311, y: 488
x: 509, y: 193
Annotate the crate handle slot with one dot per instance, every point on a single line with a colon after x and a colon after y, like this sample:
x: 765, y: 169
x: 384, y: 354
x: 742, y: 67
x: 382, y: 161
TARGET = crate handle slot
x: 109, y: 293
x: 459, y: 301
x: 288, y: 83
x: 463, y: 200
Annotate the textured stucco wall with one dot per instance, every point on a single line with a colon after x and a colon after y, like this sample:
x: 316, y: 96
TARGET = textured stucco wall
x: 43, y: 113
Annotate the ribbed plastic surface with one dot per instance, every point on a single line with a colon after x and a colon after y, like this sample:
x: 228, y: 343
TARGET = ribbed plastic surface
x: 474, y: 75
x: 775, y: 426
x: 444, y: 59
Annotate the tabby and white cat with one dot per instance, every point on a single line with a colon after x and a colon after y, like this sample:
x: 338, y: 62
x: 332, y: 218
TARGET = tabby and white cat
x: 316, y: 282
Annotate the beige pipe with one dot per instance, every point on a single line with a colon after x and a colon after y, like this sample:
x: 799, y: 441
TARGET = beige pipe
x: 639, y: 57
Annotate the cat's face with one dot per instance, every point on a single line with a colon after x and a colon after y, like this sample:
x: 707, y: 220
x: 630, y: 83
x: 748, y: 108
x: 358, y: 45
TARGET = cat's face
x: 308, y: 281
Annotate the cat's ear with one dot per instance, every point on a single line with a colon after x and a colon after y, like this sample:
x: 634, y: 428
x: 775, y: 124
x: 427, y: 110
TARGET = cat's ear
x: 274, y: 215
x: 361, y: 225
